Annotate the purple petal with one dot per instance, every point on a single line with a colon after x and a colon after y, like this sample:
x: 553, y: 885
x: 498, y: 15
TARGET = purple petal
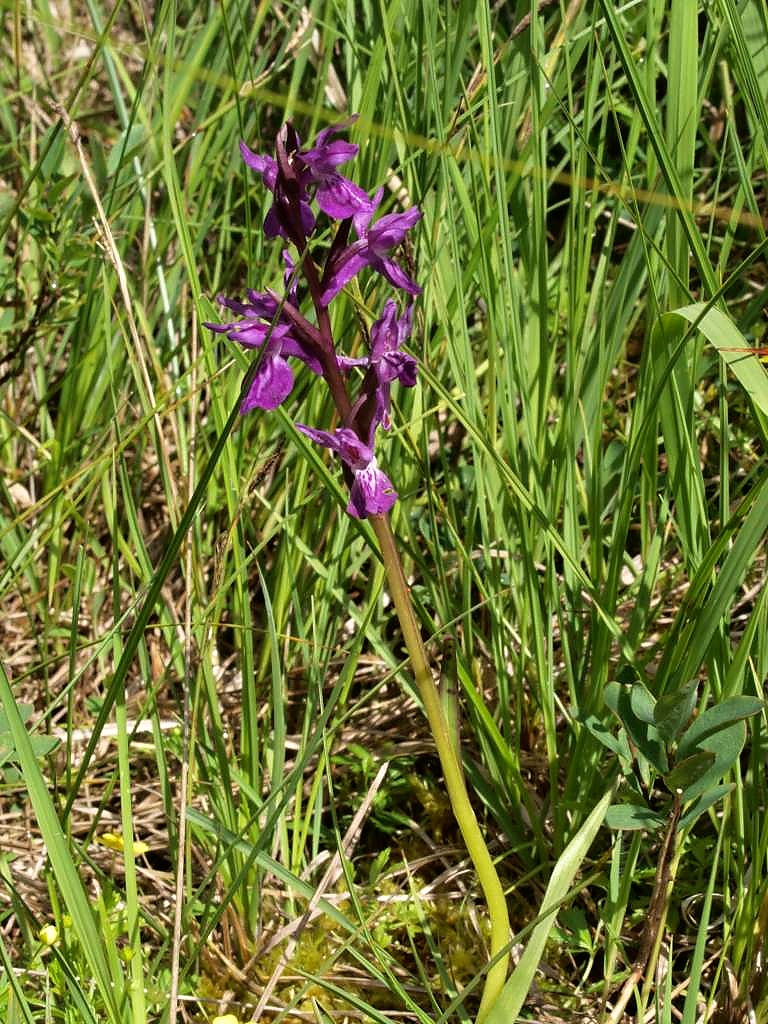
x: 261, y: 304
x: 381, y: 403
x: 391, y: 229
x: 272, y: 226
x: 249, y: 333
x: 356, y: 453
x: 307, y: 218
x: 321, y: 437
x: 289, y: 275
x: 293, y: 347
x: 347, y: 362
x: 271, y: 386
x: 321, y: 139
x: 387, y: 337
x: 241, y: 308
x: 350, y: 262
x: 219, y: 328
x: 334, y: 129
x: 323, y: 157
x: 384, y: 331
x: 397, y: 277
x: 405, y: 325
x: 344, y: 442
x: 372, y: 493
x: 339, y: 198
x: 362, y: 220
x: 266, y: 166
x: 398, y: 366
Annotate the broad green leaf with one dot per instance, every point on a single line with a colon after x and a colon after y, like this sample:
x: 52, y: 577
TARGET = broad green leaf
x: 703, y: 803
x: 644, y: 736
x: 726, y: 745
x: 643, y: 703
x: 616, y: 744
x: 673, y: 711
x: 689, y: 770
x: 628, y: 818
x: 575, y: 920
x: 718, y: 717
x: 41, y: 745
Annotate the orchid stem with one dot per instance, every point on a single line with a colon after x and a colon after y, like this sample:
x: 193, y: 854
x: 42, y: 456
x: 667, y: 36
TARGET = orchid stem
x: 450, y: 761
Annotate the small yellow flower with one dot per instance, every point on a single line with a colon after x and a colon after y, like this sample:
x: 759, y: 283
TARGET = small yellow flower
x: 228, y: 1018
x: 48, y: 934
x: 116, y: 842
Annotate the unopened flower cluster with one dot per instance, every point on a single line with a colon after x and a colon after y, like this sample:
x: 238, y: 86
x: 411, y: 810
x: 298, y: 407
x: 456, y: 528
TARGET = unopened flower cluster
x: 308, y: 192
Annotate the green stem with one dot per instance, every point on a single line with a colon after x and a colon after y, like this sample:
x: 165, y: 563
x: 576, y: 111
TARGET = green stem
x: 452, y: 770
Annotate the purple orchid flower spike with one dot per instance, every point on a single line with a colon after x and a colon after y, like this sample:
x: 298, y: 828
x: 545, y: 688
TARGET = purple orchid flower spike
x: 297, y: 179
x: 371, y: 251
x: 372, y: 493
x: 385, y: 363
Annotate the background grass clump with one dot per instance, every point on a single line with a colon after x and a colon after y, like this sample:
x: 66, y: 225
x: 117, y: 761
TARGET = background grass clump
x: 198, y: 653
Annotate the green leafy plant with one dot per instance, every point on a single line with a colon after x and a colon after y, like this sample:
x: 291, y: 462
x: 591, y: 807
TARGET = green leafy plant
x: 660, y: 739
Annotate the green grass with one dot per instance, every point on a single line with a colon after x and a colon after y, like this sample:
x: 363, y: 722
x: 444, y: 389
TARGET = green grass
x: 582, y: 514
